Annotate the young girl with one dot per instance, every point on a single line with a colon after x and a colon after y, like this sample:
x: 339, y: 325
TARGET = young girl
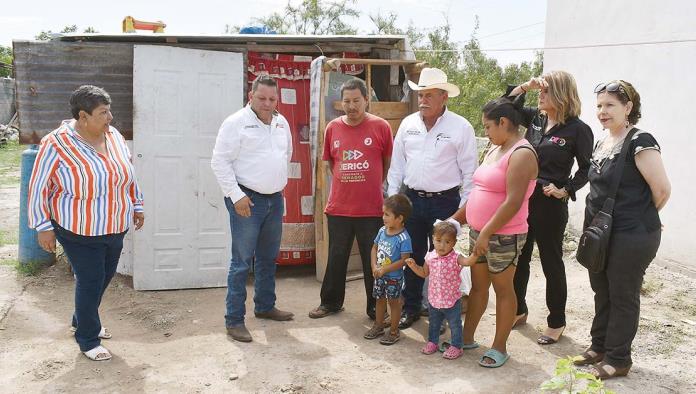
x: 443, y: 266
x: 392, y: 245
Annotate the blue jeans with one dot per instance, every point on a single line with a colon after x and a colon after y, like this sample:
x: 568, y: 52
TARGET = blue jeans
x: 420, y: 227
x: 93, y: 260
x: 453, y: 315
x: 255, y: 240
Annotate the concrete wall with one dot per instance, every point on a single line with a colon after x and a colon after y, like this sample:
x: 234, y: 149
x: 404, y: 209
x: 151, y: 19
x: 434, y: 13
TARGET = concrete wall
x: 7, y: 100
x: 662, y: 73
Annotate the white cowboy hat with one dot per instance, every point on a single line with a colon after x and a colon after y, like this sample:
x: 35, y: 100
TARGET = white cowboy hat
x: 434, y: 78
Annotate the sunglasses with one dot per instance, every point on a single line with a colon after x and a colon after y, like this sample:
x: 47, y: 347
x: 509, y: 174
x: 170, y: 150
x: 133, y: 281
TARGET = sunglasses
x: 612, y: 87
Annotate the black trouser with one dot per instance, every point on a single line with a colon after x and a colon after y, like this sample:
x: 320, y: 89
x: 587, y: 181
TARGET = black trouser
x: 342, y: 232
x: 547, y: 221
x: 617, y: 294
x: 420, y: 227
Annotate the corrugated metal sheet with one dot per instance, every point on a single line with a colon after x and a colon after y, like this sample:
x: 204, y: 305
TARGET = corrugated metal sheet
x: 236, y: 38
x: 47, y: 72
x: 7, y: 100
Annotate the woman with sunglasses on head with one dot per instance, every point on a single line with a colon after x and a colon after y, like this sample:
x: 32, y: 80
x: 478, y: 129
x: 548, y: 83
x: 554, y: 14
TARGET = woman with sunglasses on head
x: 560, y: 138
x: 635, y: 233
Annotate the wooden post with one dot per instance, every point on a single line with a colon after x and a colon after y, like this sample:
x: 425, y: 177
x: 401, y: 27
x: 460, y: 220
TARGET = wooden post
x: 394, y: 112
x: 321, y: 231
x: 368, y: 79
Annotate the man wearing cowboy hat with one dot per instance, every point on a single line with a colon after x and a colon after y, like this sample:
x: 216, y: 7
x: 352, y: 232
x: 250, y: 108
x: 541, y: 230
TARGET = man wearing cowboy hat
x: 434, y: 158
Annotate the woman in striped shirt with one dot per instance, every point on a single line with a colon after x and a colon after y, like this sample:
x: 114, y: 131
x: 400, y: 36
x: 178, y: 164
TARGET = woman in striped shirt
x: 83, y: 192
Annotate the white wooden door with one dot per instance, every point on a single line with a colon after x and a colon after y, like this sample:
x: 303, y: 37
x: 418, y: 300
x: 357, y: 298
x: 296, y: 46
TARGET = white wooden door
x: 180, y: 98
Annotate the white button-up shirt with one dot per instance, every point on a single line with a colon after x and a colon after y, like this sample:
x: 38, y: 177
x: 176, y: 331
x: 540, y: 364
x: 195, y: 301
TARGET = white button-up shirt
x: 251, y: 153
x: 440, y: 159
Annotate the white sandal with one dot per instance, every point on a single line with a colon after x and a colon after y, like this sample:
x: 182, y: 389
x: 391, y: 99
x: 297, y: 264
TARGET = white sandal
x: 103, y: 334
x: 99, y: 353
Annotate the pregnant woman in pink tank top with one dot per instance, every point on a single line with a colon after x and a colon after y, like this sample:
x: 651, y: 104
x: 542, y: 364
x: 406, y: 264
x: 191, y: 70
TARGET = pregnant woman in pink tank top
x: 497, y: 216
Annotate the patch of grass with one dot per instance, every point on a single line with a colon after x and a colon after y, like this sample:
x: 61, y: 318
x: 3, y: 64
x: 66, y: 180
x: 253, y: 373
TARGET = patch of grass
x: 10, y: 159
x: 8, y: 237
x: 650, y: 287
x: 30, y: 269
x: 684, y: 302
x: 664, y: 338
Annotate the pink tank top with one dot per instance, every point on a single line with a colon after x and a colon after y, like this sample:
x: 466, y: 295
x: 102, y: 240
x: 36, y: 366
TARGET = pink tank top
x: 490, y: 190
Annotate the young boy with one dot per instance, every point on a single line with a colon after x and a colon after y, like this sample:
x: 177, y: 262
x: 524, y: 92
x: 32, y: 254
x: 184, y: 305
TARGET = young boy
x: 392, y: 246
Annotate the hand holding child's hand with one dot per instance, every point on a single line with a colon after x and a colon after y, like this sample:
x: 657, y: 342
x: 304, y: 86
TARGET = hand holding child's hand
x: 467, y: 261
x: 410, y: 262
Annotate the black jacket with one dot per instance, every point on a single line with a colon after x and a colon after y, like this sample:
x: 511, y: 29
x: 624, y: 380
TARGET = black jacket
x: 557, y: 149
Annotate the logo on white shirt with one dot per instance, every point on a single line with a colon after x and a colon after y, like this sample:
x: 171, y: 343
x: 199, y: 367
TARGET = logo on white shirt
x: 442, y: 137
x: 368, y: 141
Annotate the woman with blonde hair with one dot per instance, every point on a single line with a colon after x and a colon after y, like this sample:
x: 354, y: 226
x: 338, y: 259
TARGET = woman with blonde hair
x: 560, y: 138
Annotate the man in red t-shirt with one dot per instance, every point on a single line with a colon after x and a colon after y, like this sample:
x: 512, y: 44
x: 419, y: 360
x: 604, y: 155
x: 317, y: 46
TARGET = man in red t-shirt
x: 357, y: 149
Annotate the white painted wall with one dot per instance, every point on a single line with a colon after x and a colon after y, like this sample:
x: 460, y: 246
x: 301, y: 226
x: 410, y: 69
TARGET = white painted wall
x: 663, y: 74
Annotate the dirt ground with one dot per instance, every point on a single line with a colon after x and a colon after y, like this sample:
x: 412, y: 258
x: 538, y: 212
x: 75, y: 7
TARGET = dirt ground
x: 174, y: 341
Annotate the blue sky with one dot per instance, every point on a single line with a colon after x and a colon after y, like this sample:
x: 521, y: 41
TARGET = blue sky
x: 504, y: 24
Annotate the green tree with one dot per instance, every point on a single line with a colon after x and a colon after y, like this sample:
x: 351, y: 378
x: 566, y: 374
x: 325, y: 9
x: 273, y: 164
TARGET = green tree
x: 5, y: 61
x: 318, y: 17
x: 479, y: 76
x: 46, y: 35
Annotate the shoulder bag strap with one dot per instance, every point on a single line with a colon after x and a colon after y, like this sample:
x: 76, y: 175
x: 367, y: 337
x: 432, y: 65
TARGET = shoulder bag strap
x: 608, y: 206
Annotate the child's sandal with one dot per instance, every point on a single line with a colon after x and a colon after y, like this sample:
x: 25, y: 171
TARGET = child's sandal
x: 452, y: 353
x: 375, y: 332
x: 429, y: 348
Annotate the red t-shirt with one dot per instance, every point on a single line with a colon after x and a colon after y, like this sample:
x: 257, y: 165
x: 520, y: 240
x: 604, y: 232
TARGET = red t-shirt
x: 356, y: 153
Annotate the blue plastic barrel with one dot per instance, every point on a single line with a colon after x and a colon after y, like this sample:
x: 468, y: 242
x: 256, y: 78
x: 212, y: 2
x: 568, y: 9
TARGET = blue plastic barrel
x: 29, y: 250
x: 256, y: 30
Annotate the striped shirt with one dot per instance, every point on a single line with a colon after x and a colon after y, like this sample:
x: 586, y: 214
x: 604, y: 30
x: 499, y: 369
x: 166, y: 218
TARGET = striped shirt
x: 84, y: 191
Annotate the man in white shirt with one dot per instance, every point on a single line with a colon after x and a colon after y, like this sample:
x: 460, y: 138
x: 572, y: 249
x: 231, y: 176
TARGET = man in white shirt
x: 250, y: 160
x: 434, y: 158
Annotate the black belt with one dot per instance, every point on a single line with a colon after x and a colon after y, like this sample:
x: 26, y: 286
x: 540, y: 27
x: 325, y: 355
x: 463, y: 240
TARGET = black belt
x: 247, y: 190
x: 424, y: 194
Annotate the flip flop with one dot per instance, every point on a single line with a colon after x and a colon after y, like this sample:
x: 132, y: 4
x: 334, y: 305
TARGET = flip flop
x: 498, y: 357
x: 467, y: 346
x: 103, y: 334
x: 99, y: 353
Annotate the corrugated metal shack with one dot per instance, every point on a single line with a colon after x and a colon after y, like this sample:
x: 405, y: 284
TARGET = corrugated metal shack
x: 170, y: 93
x: 48, y: 71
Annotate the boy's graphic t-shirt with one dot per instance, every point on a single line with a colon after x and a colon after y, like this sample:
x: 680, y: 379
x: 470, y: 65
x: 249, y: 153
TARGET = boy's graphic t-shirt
x: 390, y: 248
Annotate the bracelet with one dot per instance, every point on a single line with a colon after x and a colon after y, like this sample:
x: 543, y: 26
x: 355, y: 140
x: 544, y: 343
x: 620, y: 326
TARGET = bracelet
x: 523, y: 89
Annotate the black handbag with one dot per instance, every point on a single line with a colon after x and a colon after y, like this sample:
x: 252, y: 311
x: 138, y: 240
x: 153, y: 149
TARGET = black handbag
x: 593, y: 246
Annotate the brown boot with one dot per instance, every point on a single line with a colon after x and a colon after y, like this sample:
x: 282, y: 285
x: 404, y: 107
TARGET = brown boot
x: 275, y: 314
x: 239, y: 333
